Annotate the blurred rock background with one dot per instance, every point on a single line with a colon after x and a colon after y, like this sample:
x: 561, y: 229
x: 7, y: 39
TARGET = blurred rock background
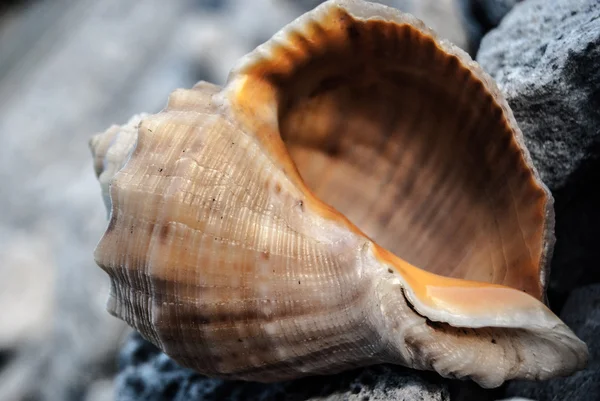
x: 70, y: 68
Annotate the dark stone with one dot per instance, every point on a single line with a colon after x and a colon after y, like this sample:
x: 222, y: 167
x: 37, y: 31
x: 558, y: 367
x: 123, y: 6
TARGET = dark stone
x: 582, y: 314
x: 480, y: 16
x: 490, y: 12
x: 6, y: 355
x: 211, y: 5
x: 545, y: 57
x: 7, y: 5
x: 146, y: 374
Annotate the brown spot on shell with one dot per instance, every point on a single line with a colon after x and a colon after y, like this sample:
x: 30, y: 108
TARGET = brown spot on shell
x: 352, y: 31
x: 165, y: 231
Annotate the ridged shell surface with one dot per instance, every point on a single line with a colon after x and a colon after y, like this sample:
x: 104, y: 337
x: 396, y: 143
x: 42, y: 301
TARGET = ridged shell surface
x: 357, y: 193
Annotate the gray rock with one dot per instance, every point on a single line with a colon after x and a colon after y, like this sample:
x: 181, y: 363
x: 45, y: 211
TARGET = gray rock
x: 146, y: 374
x: 582, y: 314
x: 545, y: 57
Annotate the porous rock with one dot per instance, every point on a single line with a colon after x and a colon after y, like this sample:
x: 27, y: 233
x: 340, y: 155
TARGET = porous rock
x: 545, y: 56
x: 582, y: 314
x: 147, y: 374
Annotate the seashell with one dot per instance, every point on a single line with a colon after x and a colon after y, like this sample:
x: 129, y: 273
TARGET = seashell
x: 111, y: 151
x: 358, y: 193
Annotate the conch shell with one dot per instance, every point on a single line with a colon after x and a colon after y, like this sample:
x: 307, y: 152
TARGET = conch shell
x: 358, y: 193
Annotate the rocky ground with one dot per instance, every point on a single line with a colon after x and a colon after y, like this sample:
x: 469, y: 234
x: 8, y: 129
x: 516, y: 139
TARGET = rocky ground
x: 69, y: 68
x: 546, y: 59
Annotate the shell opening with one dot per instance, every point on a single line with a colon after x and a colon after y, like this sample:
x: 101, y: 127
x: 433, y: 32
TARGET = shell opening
x: 410, y: 145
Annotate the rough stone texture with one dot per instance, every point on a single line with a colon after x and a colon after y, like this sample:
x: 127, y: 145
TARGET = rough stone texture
x: 545, y: 56
x: 582, y: 314
x: 147, y: 375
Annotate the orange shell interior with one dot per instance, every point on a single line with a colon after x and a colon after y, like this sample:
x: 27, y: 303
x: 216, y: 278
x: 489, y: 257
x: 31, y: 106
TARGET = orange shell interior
x: 407, y: 143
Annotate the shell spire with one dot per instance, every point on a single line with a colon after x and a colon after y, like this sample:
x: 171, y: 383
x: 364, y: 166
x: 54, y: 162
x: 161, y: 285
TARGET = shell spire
x: 359, y: 192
